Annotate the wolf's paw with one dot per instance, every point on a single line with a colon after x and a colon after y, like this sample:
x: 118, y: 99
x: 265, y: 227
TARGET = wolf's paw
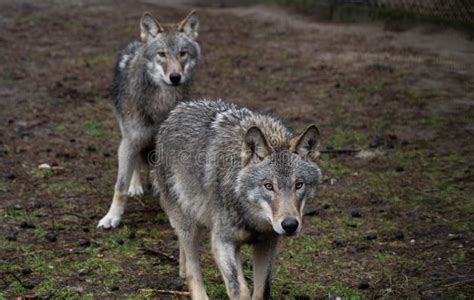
x: 135, y: 190
x: 109, y: 221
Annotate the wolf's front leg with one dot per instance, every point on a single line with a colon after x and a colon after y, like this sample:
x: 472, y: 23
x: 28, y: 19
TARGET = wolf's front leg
x: 263, y: 255
x: 127, y: 157
x: 136, y: 187
x: 227, y: 256
x: 189, y: 244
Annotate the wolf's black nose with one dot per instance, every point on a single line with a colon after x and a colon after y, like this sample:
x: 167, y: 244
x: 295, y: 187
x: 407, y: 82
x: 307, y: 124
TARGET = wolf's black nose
x: 290, y: 225
x: 175, y: 78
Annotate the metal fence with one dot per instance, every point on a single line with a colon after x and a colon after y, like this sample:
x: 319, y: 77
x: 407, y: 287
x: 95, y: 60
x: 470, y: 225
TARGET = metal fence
x: 451, y: 10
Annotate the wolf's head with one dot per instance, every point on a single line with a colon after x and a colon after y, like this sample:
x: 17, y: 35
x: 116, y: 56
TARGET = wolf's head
x: 278, y: 182
x: 171, y: 50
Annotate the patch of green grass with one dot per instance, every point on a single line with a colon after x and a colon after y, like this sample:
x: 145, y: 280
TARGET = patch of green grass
x: 345, y: 137
x: 345, y: 292
x: 13, y: 213
x: 103, y: 59
x: 92, y: 128
x: 17, y: 288
x: 332, y: 167
x: 42, y: 173
x: 74, y: 26
x: 61, y: 187
x: 435, y: 121
x: 62, y: 128
x: 419, y: 97
x: 3, y: 187
x: 160, y: 218
x: 39, y: 232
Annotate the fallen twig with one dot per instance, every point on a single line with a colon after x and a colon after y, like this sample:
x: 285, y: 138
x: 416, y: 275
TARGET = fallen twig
x: 158, y: 253
x: 339, y: 151
x: 174, y: 293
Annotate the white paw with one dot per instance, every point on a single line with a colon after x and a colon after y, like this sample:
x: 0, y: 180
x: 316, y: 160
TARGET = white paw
x: 109, y: 221
x: 135, y: 190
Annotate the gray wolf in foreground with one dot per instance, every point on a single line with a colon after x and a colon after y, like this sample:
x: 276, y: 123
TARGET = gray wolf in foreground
x: 239, y: 175
x: 151, y: 76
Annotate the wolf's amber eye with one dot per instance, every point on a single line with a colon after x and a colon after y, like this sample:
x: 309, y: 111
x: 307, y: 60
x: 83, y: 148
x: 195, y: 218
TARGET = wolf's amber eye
x: 183, y: 54
x: 298, y: 185
x: 162, y: 53
x: 268, y: 186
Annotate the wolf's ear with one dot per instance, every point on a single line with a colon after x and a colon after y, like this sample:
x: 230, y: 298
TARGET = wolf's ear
x: 149, y: 27
x: 255, y: 147
x: 306, y: 144
x: 190, y: 25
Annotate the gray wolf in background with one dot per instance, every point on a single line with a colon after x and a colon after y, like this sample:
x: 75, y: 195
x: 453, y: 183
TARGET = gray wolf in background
x: 239, y: 175
x: 151, y: 76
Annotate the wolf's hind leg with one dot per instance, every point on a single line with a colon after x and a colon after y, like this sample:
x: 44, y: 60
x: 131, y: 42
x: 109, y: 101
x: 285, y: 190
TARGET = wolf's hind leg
x: 127, y: 157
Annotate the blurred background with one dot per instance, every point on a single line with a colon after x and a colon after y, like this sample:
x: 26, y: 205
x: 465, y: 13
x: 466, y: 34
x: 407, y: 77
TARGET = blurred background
x: 389, y: 83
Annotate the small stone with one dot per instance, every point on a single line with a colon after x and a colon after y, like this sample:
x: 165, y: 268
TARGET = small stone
x: 51, y: 237
x: 412, y: 241
x: 332, y: 181
x: 84, y: 242
x: 17, y: 207
x: 355, y: 213
x: 363, y: 286
x: 399, y: 235
x: 44, y: 166
x: 27, y: 225
x: 114, y: 288
x: 453, y: 237
x: 26, y: 271
x: 82, y: 272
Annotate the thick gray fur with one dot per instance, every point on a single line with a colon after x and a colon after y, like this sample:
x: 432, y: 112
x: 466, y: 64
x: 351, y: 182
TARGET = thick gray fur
x: 151, y: 76
x: 238, y: 175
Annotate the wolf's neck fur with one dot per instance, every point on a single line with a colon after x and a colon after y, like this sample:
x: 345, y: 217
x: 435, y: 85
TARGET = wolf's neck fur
x: 154, y: 101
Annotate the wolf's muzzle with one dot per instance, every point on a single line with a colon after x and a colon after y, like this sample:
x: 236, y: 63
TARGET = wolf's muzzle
x: 175, y: 78
x: 290, y: 225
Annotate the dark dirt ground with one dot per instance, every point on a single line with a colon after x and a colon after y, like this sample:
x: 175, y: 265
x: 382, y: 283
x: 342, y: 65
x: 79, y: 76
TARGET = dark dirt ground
x: 393, y: 221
